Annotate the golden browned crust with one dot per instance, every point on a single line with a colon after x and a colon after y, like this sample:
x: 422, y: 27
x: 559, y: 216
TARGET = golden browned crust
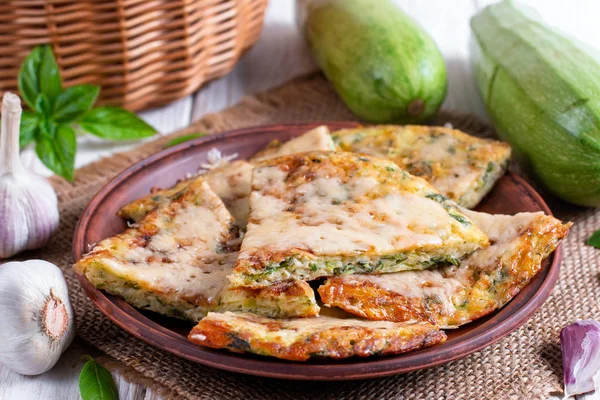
x: 304, y: 338
x: 139, y: 208
x: 369, y: 300
x: 484, y: 287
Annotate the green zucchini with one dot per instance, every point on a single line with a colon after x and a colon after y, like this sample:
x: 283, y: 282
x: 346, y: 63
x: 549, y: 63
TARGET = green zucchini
x: 380, y: 61
x: 542, y: 90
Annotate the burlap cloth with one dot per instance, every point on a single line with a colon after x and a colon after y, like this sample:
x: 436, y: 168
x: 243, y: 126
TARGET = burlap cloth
x: 524, y: 365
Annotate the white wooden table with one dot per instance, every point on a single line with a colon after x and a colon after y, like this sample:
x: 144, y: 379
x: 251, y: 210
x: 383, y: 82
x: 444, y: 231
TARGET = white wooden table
x: 280, y: 55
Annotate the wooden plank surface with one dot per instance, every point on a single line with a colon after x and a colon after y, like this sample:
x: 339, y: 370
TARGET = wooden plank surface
x: 280, y: 55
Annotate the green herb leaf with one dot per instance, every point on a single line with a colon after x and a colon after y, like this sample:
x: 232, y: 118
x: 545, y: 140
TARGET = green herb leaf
x: 115, y: 123
x: 594, y: 240
x: 29, y: 127
x: 55, y: 110
x: 28, y: 81
x: 56, y: 149
x: 39, y: 75
x: 185, y: 138
x: 74, y: 102
x: 50, y: 82
x: 42, y: 104
x: 96, y: 383
x: 47, y: 129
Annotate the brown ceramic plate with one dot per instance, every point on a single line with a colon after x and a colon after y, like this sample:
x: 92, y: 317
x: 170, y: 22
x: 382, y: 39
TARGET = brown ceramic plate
x: 510, y: 195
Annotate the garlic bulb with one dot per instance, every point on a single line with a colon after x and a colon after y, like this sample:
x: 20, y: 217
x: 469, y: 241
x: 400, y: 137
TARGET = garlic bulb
x: 36, y: 318
x: 28, y: 204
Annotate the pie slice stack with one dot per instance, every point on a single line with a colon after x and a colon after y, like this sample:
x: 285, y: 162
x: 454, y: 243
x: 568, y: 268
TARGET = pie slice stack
x: 452, y: 296
x: 176, y: 259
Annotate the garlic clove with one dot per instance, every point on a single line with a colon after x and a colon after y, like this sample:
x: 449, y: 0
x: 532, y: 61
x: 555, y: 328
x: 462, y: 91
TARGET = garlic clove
x: 28, y: 204
x: 37, y: 320
x: 580, y: 345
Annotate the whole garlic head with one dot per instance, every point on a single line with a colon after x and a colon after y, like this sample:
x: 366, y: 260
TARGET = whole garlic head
x: 28, y: 204
x: 36, y: 318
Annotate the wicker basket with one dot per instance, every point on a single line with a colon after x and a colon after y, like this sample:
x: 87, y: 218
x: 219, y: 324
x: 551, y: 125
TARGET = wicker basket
x: 144, y: 53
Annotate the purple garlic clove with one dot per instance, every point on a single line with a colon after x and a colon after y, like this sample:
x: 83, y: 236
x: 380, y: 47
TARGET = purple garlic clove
x: 580, y: 346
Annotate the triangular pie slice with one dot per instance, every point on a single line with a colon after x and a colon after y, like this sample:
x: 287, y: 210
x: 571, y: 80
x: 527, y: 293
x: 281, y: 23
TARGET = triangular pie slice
x: 175, y: 260
x: 455, y: 295
x: 299, y: 339
x: 460, y: 166
x: 327, y: 213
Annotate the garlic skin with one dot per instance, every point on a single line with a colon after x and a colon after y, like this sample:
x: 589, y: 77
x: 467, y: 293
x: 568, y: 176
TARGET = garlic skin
x: 36, y: 320
x: 580, y: 346
x: 28, y: 203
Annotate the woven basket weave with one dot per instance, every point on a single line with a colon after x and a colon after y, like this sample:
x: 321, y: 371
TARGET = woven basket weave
x: 143, y: 53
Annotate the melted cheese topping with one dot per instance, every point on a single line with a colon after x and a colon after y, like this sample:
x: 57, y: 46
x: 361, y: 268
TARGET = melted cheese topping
x: 176, y: 249
x: 448, y: 286
x: 391, y: 223
x: 462, y: 167
x: 204, y: 283
x: 354, y: 210
x: 502, y: 231
x: 313, y: 140
x: 232, y: 181
x: 458, y: 173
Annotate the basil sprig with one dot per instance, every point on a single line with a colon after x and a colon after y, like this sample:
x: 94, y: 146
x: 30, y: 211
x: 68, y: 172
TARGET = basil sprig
x: 56, y: 114
x: 96, y: 382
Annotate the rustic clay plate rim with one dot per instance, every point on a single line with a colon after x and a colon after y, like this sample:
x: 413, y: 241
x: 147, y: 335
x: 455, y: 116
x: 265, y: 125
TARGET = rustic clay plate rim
x: 140, y: 326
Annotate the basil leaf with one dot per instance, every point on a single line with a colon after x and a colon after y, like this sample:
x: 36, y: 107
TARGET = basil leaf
x: 96, y: 383
x: 185, y: 138
x: 28, y: 81
x: 47, y: 129
x: 39, y: 74
x: 29, y: 128
x: 49, y: 77
x: 56, y: 149
x: 74, y: 102
x: 115, y: 123
x: 42, y: 104
x: 594, y: 240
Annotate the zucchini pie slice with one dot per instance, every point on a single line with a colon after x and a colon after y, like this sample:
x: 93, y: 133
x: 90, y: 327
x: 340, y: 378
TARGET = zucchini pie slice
x: 328, y: 213
x: 299, y: 339
x: 460, y: 166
